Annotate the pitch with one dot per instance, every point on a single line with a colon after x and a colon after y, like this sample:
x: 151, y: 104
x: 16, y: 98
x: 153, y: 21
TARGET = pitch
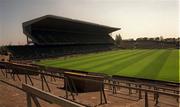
x: 149, y: 64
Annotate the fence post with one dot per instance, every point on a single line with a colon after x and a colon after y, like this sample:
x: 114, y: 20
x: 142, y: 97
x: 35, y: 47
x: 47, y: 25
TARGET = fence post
x: 35, y: 101
x: 25, y: 76
x: 42, y: 82
x: 114, y: 87
x: 157, y: 99
x: 140, y: 95
x: 130, y: 91
x: 6, y: 72
x: 66, y: 87
x: 146, y: 99
x: 104, y: 95
x: 109, y: 81
x: 177, y: 97
x: 29, y: 103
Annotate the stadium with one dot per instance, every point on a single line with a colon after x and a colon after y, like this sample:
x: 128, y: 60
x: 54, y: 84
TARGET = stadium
x: 65, y: 56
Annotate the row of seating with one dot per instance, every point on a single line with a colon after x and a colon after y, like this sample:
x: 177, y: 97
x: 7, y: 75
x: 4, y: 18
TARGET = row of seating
x: 46, y: 51
x: 47, y: 37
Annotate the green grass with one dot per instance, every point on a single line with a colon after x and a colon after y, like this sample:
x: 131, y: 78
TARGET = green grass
x: 149, y: 64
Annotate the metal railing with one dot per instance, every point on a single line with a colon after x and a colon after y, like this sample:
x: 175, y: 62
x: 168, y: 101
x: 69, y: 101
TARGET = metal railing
x: 7, y: 68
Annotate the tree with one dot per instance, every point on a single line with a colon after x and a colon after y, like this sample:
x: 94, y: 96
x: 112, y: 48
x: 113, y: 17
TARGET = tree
x: 139, y: 39
x: 118, y: 39
x: 145, y: 39
x: 151, y: 39
x: 157, y: 39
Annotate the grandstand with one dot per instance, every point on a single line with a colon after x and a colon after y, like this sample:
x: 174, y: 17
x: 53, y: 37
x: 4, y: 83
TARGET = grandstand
x: 53, y: 36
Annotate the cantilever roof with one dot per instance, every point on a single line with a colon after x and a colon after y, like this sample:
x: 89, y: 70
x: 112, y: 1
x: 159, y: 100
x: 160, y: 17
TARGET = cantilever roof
x: 63, y: 19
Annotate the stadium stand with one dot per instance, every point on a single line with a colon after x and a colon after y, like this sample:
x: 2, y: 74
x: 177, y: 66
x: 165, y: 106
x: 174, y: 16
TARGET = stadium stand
x: 50, y: 51
x: 54, y: 36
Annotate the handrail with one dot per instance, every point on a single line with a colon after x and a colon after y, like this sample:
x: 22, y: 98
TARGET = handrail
x: 147, y: 90
x: 30, y: 90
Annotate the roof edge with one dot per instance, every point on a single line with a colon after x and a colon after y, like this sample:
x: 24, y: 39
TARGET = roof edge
x: 65, y: 18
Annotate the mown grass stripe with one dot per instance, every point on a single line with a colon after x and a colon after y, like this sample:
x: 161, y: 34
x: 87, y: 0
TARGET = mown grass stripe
x: 87, y: 60
x: 170, y: 69
x: 101, y: 65
x: 141, y: 65
x: 154, y: 67
x: 78, y: 58
x: 118, y: 66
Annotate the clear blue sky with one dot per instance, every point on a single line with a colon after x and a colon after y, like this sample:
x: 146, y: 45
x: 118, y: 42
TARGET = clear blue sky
x: 137, y: 18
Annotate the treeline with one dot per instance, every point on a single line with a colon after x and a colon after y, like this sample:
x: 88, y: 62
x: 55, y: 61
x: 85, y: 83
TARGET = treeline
x: 145, y: 42
x: 161, y: 39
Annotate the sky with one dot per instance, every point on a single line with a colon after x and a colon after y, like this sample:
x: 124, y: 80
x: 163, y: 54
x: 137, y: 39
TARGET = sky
x: 136, y: 18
